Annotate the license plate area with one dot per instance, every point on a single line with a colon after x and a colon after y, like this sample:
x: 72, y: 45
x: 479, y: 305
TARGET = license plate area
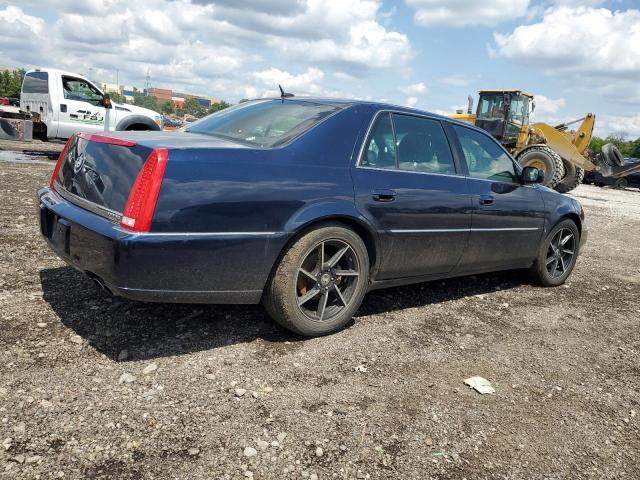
x: 61, y: 234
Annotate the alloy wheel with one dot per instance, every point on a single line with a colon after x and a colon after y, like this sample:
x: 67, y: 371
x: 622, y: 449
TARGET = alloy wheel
x: 560, y: 253
x: 327, y: 279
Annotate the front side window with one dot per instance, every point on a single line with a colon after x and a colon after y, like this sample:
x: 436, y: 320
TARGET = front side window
x: 380, y: 150
x: 264, y: 123
x: 81, y: 90
x: 422, y: 145
x: 484, y: 157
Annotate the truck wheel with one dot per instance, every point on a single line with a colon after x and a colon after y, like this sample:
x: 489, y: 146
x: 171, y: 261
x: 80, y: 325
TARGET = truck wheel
x: 573, y: 177
x: 612, y: 155
x: 621, y: 183
x: 545, y: 159
x: 320, y: 282
x: 557, y: 255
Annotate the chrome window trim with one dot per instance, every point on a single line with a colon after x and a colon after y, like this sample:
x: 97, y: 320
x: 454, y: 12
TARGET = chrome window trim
x: 397, y: 170
x: 111, y: 215
x: 399, y: 112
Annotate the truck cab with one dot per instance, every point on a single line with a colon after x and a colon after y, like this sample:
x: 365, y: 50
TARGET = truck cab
x: 64, y: 103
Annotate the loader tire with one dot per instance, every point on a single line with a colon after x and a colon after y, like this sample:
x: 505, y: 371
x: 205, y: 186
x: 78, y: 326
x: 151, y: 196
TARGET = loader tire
x: 573, y: 177
x: 543, y: 158
x: 612, y: 155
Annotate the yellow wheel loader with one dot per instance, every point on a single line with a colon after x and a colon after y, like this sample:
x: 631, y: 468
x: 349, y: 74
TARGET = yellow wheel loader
x: 561, y: 153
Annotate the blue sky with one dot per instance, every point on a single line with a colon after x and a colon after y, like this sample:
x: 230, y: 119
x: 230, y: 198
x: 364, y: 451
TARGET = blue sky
x: 575, y: 56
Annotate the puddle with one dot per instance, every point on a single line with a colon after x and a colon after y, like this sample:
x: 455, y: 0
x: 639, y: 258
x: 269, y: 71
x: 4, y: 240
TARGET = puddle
x: 21, y: 157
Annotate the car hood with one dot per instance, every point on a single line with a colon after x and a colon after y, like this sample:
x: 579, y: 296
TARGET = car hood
x: 134, y: 109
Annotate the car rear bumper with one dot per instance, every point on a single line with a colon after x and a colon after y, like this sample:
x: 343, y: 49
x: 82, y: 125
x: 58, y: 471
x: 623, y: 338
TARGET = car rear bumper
x: 228, y: 267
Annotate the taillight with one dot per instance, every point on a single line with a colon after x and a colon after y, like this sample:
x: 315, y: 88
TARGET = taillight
x: 56, y: 169
x: 138, y: 212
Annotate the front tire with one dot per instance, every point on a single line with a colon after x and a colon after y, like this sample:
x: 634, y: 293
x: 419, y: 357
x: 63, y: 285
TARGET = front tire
x: 543, y: 158
x: 557, y: 255
x: 573, y: 177
x: 320, y: 281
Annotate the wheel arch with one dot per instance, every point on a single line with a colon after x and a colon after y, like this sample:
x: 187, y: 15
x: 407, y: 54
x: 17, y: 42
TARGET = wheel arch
x: 132, y: 120
x: 571, y: 216
x: 344, y: 213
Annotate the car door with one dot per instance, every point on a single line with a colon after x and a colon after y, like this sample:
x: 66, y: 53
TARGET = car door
x: 80, y: 107
x: 508, y: 217
x: 407, y: 185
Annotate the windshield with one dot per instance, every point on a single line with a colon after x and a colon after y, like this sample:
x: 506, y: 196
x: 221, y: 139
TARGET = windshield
x: 519, y: 109
x: 264, y: 123
x: 491, y: 106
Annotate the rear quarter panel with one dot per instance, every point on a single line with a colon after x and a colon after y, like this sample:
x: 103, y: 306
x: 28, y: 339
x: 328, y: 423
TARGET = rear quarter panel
x: 269, y: 194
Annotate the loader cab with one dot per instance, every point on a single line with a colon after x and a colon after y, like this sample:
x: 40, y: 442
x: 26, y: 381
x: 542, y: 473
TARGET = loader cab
x: 505, y: 115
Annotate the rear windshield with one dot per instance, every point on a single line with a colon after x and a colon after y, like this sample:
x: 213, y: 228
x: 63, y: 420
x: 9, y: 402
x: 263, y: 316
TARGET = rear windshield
x: 36, y: 82
x: 264, y: 123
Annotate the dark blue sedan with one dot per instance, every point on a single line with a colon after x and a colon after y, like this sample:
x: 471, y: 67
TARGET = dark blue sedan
x: 303, y: 204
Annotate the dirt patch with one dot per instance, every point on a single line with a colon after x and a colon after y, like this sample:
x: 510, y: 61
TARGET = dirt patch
x: 382, y: 399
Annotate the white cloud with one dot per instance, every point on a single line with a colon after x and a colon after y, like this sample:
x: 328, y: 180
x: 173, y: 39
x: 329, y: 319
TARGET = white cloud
x: 306, y: 83
x: 415, y: 89
x: 616, y: 124
x: 201, y: 45
x: 411, y: 102
x: 458, y: 80
x: 547, y: 106
x: 579, y: 41
x: 459, y: 13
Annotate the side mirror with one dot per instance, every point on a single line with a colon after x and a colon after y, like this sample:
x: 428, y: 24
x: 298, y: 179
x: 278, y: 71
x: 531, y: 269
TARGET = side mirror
x: 106, y: 101
x: 532, y: 175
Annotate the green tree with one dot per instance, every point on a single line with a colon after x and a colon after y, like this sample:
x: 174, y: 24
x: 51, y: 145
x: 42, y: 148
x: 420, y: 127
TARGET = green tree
x: 11, y: 82
x: 596, y: 144
x: 215, y: 107
x: 192, y: 107
x: 116, y: 97
x: 146, y: 101
x: 168, y: 108
x: 634, y: 151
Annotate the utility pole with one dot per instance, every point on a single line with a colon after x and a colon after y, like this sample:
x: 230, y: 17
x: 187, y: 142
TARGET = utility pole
x: 118, y: 81
x: 147, y: 83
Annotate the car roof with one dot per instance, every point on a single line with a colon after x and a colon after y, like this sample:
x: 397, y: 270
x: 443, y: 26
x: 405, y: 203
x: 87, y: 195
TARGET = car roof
x: 344, y: 103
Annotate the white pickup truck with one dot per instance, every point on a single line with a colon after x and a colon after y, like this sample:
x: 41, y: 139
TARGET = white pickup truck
x: 64, y: 103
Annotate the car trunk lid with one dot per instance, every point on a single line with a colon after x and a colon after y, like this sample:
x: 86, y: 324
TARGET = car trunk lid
x: 98, y: 172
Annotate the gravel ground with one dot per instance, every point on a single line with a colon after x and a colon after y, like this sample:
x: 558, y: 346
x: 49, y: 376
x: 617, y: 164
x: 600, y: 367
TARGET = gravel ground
x: 96, y: 387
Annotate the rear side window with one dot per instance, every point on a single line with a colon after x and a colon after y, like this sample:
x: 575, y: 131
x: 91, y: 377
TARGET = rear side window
x: 422, y: 145
x: 264, y: 123
x: 36, y: 82
x: 484, y: 157
x: 380, y: 151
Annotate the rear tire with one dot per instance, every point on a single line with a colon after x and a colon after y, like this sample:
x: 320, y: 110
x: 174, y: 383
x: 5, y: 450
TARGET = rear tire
x: 309, y: 295
x: 621, y: 183
x: 557, y: 255
x: 543, y: 158
x: 573, y: 177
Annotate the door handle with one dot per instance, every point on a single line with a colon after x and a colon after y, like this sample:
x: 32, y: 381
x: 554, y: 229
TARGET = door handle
x: 486, y: 199
x: 383, y: 195
x: 63, y: 107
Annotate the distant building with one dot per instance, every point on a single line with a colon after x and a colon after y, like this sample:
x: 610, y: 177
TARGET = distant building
x: 161, y: 94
